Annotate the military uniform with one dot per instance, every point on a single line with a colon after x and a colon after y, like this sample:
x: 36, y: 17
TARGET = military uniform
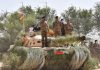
x: 57, y: 28
x: 62, y: 28
x: 44, y: 29
x: 68, y: 28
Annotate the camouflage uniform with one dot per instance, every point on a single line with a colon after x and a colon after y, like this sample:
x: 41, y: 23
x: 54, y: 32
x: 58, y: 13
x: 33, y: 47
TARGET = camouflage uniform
x: 62, y: 28
x: 44, y: 29
x: 68, y: 28
x: 57, y: 27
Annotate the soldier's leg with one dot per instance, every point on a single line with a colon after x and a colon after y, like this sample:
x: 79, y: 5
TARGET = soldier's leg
x: 43, y: 40
x: 55, y: 33
x: 63, y: 31
x: 46, y: 41
x: 58, y: 33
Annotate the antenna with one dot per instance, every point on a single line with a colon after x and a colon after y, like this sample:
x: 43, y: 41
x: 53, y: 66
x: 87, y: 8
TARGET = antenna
x: 22, y: 3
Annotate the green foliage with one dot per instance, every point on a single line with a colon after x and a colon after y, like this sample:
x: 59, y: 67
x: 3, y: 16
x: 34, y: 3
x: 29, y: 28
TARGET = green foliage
x: 90, y: 64
x: 97, y: 15
x: 86, y: 20
x: 48, y: 12
x: 12, y: 31
x: 71, y: 12
x: 11, y: 27
x: 15, y: 58
x: 81, y: 19
x: 61, y: 41
x: 13, y: 18
x: 27, y: 10
x: 12, y: 60
x: 1, y: 26
x: 18, y: 42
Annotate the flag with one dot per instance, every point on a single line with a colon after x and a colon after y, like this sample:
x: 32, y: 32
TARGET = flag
x: 59, y: 52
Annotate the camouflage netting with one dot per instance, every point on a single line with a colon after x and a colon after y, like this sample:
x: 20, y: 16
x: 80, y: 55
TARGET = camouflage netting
x: 73, y: 58
x: 22, y: 58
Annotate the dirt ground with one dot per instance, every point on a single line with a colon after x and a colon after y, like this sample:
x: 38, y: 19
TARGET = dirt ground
x: 2, y: 64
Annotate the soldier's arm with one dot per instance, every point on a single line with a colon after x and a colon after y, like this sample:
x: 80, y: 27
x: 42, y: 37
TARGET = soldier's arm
x: 39, y: 23
x: 46, y: 24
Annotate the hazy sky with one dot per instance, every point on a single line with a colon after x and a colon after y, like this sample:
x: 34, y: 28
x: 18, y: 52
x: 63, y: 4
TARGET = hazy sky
x: 58, y: 5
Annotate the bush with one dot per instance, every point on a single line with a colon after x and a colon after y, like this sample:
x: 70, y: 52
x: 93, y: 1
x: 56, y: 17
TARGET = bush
x: 90, y: 64
x: 15, y: 58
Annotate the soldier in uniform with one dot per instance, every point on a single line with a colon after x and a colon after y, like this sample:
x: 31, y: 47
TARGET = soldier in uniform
x: 57, y: 26
x: 44, y: 29
x: 62, y: 27
x: 68, y: 27
x: 96, y: 44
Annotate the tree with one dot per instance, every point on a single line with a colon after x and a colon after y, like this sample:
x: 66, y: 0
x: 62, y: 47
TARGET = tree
x: 27, y: 10
x: 11, y: 27
x: 97, y: 15
x: 30, y: 16
x: 81, y: 19
x: 46, y: 11
x: 3, y: 19
x: 86, y: 20
x: 71, y: 12
x: 10, y: 30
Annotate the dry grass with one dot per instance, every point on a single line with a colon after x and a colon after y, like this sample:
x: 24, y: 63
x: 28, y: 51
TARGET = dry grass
x: 61, y: 41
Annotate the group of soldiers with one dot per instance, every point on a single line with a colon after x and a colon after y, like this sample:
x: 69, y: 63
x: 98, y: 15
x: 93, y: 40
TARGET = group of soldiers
x: 95, y: 44
x: 59, y: 28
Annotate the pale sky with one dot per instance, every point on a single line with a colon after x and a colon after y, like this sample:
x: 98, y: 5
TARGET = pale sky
x: 58, y: 5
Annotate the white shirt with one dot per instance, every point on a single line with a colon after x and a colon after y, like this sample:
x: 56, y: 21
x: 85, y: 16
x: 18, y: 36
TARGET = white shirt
x: 31, y: 29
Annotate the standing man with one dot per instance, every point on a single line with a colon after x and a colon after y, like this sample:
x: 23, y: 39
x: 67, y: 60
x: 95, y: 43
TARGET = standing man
x: 62, y: 28
x: 96, y: 43
x: 68, y: 27
x: 44, y: 29
x: 57, y: 26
